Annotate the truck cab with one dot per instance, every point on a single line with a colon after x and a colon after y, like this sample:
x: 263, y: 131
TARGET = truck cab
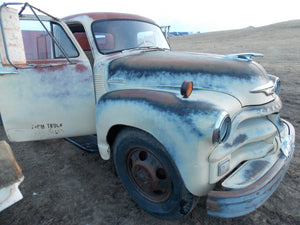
x: 178, y: 125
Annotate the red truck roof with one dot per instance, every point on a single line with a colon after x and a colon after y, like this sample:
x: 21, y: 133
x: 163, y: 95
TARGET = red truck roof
x: 107, y: 16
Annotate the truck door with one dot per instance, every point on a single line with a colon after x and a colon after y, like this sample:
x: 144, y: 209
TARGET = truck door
x: 50, y: 93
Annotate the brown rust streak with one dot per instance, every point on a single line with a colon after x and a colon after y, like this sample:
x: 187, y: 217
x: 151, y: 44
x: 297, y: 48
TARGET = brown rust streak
x: 213, y: 206
x: 81, y: 68
x: 151, y: 95
x: 184, y: 62
x: 107, y: 16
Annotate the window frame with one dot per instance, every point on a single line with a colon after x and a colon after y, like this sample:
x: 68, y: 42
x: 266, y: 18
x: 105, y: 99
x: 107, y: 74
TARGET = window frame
x: 54, y: 46
x: 117, y: 19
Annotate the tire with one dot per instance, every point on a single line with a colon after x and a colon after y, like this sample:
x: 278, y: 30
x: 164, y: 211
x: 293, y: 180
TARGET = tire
x: 150, y: 176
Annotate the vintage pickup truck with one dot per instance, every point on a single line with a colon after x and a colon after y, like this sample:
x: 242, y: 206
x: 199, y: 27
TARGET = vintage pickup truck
x: 178, y: 125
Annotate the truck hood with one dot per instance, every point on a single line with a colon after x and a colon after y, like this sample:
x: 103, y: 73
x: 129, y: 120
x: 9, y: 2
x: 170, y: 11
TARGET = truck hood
x: 167, y: 69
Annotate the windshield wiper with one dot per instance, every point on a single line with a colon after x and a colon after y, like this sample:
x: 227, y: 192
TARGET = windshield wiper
x: 145, y: 47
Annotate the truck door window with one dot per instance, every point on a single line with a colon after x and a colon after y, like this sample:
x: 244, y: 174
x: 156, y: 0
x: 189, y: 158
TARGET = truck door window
x: 80, y: 35
x: 40, y: 46
x: 64, y: 41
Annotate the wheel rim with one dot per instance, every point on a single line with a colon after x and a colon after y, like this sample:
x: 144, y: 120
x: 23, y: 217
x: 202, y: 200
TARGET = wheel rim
x: 148, y: 174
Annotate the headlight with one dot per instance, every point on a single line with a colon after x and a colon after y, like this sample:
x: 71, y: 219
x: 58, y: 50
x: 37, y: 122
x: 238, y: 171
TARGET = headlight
x: 222, y: 128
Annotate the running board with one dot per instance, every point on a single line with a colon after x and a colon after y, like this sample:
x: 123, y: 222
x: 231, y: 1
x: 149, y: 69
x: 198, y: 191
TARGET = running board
x: 86, y: 143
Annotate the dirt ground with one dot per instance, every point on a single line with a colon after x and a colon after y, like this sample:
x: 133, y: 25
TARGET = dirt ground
x: 64, y: 185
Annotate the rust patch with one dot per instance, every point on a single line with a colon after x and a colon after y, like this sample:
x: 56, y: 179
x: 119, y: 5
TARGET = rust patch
x: 81, y: 68
x: 146, y: 94
x: 14, y: 55
x: 239, y: 202
x: 178, y: 62
x: 107, y: 16
x: 163, y: 101
x: 50, y: 67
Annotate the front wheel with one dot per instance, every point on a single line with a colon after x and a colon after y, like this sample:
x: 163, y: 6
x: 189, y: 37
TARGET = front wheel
x: 150, y: 176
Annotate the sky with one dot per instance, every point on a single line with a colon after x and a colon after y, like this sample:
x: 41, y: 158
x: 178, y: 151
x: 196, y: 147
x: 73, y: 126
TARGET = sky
x: 185, y: 15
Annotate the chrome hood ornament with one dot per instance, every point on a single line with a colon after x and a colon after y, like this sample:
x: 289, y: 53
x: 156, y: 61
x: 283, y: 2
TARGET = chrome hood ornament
x: 246, y: 57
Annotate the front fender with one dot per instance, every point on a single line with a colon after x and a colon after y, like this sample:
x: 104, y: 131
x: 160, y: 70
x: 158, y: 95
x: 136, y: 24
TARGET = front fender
x: 183, y: 126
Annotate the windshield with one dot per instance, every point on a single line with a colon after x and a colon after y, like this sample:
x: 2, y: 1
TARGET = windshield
x: 118, y: 35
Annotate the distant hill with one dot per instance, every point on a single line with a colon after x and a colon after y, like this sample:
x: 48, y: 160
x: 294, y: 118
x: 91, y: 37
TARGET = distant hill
x: 266, y: 39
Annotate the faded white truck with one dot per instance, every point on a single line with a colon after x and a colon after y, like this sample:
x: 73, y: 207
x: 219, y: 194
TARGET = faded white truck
x: 178, y: 125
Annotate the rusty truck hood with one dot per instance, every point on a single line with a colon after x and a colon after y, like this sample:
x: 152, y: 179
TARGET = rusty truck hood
x: 167, y: 69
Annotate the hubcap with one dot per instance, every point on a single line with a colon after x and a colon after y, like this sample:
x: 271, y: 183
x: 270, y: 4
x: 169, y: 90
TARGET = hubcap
x: 149, y: 175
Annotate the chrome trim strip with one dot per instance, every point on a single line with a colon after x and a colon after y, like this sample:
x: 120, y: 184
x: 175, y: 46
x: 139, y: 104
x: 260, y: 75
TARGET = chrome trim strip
x: 216, y: 133
x: 267, y: 88
x: 246, y: 57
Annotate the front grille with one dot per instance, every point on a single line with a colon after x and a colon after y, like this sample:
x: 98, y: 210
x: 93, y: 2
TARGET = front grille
x: 253, y: 138
x: 254, y: 134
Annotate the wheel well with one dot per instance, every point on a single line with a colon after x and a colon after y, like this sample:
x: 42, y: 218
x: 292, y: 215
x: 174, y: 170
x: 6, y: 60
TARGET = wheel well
x: 115, y: 130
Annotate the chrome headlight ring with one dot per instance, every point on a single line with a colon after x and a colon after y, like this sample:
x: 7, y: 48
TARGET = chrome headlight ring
x: 222, y: 128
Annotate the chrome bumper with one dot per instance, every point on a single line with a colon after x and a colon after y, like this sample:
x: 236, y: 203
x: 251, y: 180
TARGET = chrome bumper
x: 239, y: 202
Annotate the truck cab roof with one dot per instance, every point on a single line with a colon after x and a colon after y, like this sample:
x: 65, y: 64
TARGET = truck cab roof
x: 107, y: 16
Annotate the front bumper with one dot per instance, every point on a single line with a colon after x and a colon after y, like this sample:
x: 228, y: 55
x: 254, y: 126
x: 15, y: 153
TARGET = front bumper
x: 238, y: 202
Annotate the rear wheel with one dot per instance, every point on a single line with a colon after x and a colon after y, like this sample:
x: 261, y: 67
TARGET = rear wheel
x: 150, y: 176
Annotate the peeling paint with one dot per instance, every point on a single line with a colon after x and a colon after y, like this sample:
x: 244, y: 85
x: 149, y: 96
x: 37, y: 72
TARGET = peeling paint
x: 170, y: 127
x: 164, y: 101
x: 238, y: 140
x: 252, y: 172
x: 106, y: 16
x: 81, y: 68
x: 61, y: 94
x: 239, y: 202
x: 170, y: 69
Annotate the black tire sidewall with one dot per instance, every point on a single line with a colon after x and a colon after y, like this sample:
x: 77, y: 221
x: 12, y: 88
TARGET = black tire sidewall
x: 180, y: 201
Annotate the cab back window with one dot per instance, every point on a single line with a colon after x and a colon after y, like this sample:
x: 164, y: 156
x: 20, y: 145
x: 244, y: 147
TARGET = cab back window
x: 39, y: 45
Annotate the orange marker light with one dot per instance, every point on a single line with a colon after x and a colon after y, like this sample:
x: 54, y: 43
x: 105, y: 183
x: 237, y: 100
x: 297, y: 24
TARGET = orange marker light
x: 186, y: 88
